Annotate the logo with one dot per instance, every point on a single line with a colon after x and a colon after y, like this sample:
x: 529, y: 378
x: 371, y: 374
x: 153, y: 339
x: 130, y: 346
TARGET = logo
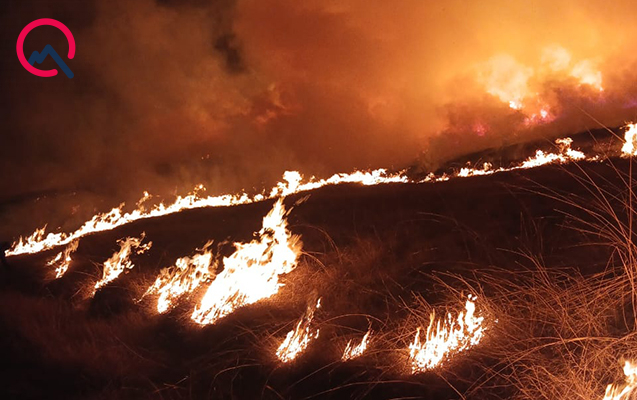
x: 47, y: 51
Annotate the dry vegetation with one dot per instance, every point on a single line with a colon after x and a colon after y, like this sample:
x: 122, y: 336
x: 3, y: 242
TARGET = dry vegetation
x: 563, y: 333
x: 557, y: 330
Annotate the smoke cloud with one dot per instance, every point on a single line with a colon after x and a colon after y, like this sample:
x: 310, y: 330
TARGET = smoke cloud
x: 168, y: 94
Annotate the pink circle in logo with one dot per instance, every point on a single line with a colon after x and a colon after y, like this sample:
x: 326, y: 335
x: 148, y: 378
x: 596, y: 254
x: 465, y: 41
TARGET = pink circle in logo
x: 29, y: 28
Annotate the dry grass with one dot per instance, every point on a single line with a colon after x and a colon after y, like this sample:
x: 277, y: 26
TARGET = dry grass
x: 559, y: 335
x: 562, y: 333
x: 554, y: 333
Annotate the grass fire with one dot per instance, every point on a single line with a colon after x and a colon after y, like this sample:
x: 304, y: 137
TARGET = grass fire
x: 319, y: 200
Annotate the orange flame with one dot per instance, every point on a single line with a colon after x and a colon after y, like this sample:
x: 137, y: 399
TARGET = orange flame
x: 39, y: 240
x: 467, y: 172
x: 565, y: 154
x: 586, y: 73
x: 297, y: 340
x: 445, y: 337
x: 62, y: 261
x: 510, y: 81
x: 352, y: 351
x: 626, y: 390
x: 120, y: 260
x: 630, y: 141
x: 507, y: 79
x: 182, y: 278
x: 292, y: 183
x: 252, y: 272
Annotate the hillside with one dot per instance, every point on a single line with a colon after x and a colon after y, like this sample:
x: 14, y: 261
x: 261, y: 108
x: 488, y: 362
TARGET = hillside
x: 372, y: 254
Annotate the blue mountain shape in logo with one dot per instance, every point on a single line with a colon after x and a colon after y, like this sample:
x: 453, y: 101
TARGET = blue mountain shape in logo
x: 50, y: 51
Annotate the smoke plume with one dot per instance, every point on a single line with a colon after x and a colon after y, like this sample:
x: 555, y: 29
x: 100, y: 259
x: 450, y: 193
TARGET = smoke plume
x: 168, y: 94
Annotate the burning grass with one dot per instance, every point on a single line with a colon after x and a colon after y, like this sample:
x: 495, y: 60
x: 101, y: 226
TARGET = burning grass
x: 120, y: 260
x: 353, y: 351
x: 625, y: 390
x: 445, y: 337
x: 63, y: 259
x: 534, y: 330
x: 297, y: 340
x: 559, y: 334
x: 564, y: 333
x: 252, y: 272
x: 183, y: 278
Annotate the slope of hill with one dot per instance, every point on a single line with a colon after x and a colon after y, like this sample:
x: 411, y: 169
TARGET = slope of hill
x: 378, y: 257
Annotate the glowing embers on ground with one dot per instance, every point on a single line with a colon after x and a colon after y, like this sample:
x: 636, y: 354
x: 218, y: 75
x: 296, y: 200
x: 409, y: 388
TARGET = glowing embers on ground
x: 292, y: 183
x: 297, y: 340
x: 628, y: 389
x: 120, y: 260
x: 352, y: 351
x: 62, y: 261
x: 630, y: 140
x: 446, y: 336
x: 252, y: 272
x: 183, y: 277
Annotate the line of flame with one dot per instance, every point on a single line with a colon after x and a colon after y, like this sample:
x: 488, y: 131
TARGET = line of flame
x: 292, y: 183
x: 39, y: 240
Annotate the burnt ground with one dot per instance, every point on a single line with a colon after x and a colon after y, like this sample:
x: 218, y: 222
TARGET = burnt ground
x: 367, y: 252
